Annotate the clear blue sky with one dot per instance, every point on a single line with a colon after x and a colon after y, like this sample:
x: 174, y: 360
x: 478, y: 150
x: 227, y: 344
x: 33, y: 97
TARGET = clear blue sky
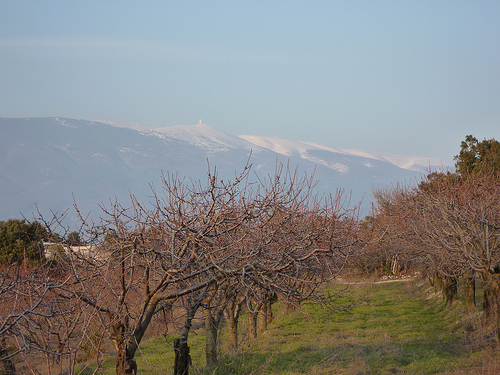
x: 405, y: 77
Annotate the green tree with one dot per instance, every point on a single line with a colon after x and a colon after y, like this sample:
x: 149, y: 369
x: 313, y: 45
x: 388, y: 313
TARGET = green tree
x: 74, y: 239
x: 436, y: 180
x: 478, y: 157
x: 21, y: 240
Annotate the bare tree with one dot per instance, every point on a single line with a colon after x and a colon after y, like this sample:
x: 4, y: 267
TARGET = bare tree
x: 148, y: 254
x: 35, y: 323
x: 450, y: 226
x: 271, y: 237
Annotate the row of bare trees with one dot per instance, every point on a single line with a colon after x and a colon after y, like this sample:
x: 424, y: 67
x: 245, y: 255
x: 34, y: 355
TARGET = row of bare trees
x: 448, y: 227
x: 210, y: 250
x: 36, y: 324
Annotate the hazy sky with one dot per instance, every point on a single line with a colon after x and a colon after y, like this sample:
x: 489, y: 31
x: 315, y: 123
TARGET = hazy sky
x: 404, y: 77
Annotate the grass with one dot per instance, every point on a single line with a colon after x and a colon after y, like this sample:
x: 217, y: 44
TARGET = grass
x: 395, y: 330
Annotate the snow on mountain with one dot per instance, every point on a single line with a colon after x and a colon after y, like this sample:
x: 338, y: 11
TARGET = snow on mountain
x: 285, y: 146
x: 305, y: 149
x: 202, y: 136
x: 50, y: 162
x: 414, y: 163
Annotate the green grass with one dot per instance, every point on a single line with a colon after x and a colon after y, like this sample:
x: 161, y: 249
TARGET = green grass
x: 395, y: 329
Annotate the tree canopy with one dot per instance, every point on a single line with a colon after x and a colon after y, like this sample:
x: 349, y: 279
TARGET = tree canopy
x: 74, y: 239
x: 478, y: 157
x: 21, y: 240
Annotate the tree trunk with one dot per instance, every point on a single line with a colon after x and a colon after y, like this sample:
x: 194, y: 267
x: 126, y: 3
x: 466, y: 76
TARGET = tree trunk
x: 269, y: 305
x: 213, y: 320
x: 7, y: 366
x: 494, y: 302
x: 252, y: 323
x: 124, y: 362
x: 233, y: 334
x: 182, y: 358
x: 181, y: 348
x: 125, y: 365
x: 470, y: 294
x: 450, y: 289
x: 211, y: 327
x: 262, y: 319
x: 439, y: 284
x: 273, y: 297
x: 491, y: 303
x: 488, y: 304
x: 232, y: 315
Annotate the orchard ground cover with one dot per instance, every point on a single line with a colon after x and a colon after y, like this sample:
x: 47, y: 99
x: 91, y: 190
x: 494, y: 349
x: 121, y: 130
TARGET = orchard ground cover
x: 395, y: 328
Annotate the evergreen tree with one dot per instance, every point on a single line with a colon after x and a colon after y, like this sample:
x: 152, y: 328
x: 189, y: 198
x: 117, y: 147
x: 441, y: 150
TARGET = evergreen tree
x: 478, y: 157
x: 21, y: 240
x: 74, y: 239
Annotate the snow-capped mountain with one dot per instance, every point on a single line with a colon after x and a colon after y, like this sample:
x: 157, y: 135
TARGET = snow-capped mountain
x: 51, y: 162
x: 306, y: 150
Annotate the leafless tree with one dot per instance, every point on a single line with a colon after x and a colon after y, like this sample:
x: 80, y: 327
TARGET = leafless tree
x: 35, y: 323
x: 195, y: 243
x: 450, y: 226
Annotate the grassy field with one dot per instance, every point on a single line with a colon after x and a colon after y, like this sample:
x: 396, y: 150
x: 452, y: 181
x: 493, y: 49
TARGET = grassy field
x: 397, y: 328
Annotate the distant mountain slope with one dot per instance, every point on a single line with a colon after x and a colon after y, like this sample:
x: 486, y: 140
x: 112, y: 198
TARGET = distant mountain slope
x: 48, y: 161
x: 306, y: 150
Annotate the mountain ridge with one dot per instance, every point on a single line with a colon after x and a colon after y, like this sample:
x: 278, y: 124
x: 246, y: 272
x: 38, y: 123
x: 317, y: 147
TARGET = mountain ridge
x: 45, y: 162
x: 284, y: 147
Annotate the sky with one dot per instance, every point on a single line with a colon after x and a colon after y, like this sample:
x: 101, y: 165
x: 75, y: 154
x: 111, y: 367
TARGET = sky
x: 402, y: 77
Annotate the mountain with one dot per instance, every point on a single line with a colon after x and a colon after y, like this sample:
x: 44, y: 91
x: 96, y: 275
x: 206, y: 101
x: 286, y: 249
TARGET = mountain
x: 50, y: 163
x: 308, y: 151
